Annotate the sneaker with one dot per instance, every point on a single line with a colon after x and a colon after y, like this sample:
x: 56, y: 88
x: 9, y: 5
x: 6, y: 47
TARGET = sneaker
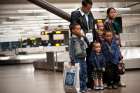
x: 122, y: 85
x: 114, y: 86
x: 89, y: 89
x: 109, y: 87
x: 101, y: 87
x: 96, y: 88
x: 83, y: 91
x: 105, y: 86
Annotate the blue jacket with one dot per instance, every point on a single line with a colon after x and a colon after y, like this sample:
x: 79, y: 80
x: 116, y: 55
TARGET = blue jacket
x: 111, y: 52
x: 72, y: 48
x: 98, y: 61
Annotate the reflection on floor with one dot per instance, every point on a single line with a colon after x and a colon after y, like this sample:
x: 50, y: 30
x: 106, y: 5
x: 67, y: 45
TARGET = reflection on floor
x: 23, y: 79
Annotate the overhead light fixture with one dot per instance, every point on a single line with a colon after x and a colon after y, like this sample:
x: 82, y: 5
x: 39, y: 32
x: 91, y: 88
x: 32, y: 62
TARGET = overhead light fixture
x: 7, y: 23
x: 5, y: 58
x: 14, y: 17
x: 100, y: 9
x: 70, y: 9
x: 131, y: 14
x: 105, y: 9
x: 31, y: 11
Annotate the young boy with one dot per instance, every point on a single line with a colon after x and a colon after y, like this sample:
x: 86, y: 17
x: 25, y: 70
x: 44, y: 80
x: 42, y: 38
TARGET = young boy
x: 112, y: 55
x: 78, y: 53
x: 98, y: 63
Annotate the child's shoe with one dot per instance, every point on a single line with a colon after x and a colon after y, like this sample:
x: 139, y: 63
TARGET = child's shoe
x: 109, y: 87
x: 101, y: 87
x: 96, y: 87
x: 83, y: 91
x: 114, y: 86
x: 89, y: 89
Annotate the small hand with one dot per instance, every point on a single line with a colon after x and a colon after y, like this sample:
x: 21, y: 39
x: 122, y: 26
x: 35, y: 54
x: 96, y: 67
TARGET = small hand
x: 103, y: 69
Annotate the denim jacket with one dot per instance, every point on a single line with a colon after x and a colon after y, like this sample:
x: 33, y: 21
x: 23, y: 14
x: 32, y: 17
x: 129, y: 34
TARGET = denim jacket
x: 111, y: 52
x: 98, y: 61
x: 72, y: 48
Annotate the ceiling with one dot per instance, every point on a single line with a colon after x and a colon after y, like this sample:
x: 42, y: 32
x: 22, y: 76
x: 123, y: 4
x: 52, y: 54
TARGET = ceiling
x: 62, y: 1
x: 22, y: 18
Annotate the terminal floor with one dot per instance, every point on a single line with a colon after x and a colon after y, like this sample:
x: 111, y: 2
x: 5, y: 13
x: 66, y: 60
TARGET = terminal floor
x: 24, y: 79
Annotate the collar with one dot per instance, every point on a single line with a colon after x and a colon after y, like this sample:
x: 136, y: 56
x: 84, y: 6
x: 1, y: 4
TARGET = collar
x: 82, y: 13
x: 109, y: 20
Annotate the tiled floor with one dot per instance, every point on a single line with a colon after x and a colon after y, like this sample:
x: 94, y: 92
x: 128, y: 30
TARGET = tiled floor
x: 23, y: 79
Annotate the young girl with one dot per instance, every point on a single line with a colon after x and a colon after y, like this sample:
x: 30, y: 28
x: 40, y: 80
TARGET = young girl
x: 112, y: 55
x: 98, y: 63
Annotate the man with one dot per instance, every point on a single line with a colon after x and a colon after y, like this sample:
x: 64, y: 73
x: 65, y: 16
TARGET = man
x: 84, y: 17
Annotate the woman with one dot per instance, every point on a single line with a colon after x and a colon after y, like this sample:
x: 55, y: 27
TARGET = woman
x: 111, y: 25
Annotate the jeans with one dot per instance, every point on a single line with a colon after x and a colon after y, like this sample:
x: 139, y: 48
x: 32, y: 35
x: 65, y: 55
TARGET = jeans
x: 83, y: 74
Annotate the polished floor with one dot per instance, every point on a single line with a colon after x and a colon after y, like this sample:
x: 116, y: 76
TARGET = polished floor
x: 23, y: 79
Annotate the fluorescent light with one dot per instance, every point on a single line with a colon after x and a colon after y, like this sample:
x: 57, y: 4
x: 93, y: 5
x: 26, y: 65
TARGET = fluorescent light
x: 5, y: 22
x: 31, y: 11
x: 5, y: 58
x: 14, y: 17
x: 131, y: 14
x: 105, y: 9
x: 31, y: 56
x: 70, y: 10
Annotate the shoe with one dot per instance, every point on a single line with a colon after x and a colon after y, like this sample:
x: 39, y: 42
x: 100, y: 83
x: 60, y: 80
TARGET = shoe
x: 83, y: 91
x: 122, y: 85
x: 109, y: 87
x: 101, y: 87
x: 105, y: 86
x: 89, y: 89
x: 114, y: 86
x: 96, y: 88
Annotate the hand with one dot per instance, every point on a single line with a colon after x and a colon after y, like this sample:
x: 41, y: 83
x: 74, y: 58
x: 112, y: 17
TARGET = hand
x: 95, y: 69
x: 121, y: 61
x: 103, y: 69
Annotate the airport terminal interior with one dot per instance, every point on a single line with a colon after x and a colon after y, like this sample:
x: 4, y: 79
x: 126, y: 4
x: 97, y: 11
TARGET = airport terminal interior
x: 34, y: 44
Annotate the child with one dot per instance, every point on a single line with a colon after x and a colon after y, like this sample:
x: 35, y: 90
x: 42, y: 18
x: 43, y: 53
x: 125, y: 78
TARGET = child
x: 78, y: 54
x: 98, y: 63
x: 100, y: 31
x: 112, y: 55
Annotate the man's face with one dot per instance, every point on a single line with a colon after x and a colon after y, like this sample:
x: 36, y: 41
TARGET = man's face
x: 109, y: 36
x: 87, y: 8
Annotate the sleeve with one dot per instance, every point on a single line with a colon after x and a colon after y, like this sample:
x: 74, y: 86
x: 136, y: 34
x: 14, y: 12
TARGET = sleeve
x: 74, y: 17
x: 91, y: 59
x: 104, y: 62
x: 94, y: 30
x: 105, y: 52
x: 71, y: 51
x: 117, y: 54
